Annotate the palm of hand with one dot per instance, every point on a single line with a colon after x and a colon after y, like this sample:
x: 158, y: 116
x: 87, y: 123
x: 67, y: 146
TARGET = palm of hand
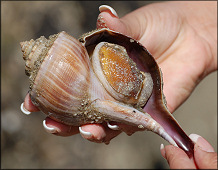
x: 174, y: 43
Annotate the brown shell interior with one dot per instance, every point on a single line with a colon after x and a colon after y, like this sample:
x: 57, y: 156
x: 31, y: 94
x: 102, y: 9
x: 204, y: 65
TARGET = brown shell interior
x: 119, y: 70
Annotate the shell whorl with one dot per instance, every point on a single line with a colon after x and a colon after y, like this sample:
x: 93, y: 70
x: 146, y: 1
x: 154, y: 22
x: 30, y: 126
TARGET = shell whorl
x: 34, y: 52
x: 61, y: 79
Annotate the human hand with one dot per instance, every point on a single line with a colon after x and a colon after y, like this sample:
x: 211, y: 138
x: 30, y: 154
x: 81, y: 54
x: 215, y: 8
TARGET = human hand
x: 205, y: 156
x: 177, y: 36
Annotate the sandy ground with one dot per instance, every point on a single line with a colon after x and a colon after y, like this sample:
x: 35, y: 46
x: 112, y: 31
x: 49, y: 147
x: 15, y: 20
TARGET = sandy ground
x: 25, y: 144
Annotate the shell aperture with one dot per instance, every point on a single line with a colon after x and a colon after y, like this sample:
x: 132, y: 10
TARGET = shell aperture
x: 118, y: 73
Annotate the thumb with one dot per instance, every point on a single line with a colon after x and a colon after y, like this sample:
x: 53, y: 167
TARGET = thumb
x: 204, y: 154
x: 108, y: 18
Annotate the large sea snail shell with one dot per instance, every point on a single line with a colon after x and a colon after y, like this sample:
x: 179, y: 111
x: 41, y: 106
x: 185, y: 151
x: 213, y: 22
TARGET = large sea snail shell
x: 103, y: 76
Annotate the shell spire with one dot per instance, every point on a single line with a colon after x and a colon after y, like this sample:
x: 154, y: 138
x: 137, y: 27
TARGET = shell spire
x: 34, y: 52
x: 26, y: 48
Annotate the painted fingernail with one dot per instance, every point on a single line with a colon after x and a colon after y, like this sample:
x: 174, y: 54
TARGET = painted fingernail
x: 106, y: 7
x: 24, y: 110
x: 49, y: 129
x: 162, y: 150
x: 201, y: 142
x: 113, y: 127
x: 161, y: 146
x: 84, y: 133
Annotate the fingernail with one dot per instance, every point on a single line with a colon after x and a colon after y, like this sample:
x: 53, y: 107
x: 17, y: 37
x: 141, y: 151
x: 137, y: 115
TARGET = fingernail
x: 106, y: 7
x: 162, y: 150
x: 161, y: 146
x: 24, y: 110
x: 84, y: 133
x: 201, y: 142
x: 113, y: 127
x: 49, y: 129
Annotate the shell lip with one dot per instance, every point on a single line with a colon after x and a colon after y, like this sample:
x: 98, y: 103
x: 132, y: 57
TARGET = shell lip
x: 137, y: 52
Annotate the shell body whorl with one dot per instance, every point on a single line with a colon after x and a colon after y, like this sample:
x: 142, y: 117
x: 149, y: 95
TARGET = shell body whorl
x: 65, y: 78
x: 60, y: 87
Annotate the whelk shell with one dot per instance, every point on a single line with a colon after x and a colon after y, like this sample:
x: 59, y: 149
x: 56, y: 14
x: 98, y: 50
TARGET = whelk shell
x: 105, y: 76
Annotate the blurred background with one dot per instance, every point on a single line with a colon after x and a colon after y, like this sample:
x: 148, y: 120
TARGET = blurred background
x: 24, y: 142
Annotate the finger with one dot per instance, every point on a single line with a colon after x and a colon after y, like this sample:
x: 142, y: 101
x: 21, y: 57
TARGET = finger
x: 28, y: 105
x: 98, y: 133
x: 107, y: 19
x: 104, y: 133
x: 113, y: 129
x: 129, y: 130
x: 51, y: 126
x: 205, y: 160
x: 93, y: 132
x: 59, y: 129
x: 177, y: 158
x: 117, y: 128
x: 204, y: 153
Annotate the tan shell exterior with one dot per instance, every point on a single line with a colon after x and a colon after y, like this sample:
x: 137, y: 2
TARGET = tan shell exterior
x: 60, y: 87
